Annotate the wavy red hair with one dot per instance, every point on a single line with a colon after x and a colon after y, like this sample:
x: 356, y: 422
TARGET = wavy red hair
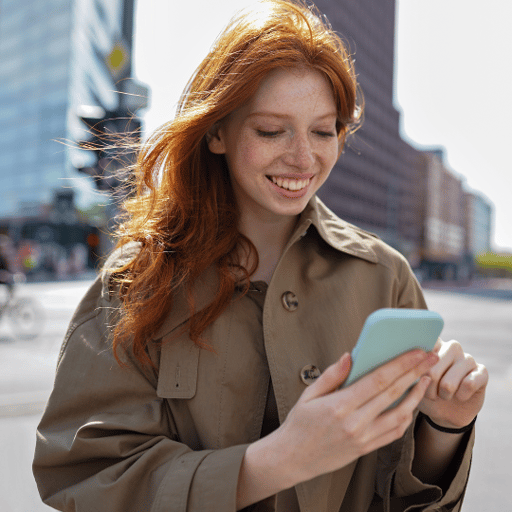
x: 184, y: 214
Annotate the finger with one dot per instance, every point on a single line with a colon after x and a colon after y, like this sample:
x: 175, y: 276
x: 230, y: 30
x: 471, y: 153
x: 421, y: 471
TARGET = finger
x: 405, y: 384
x: 397, y: 375
x: 449, y: 352
x: 454, y: 376
x: 438, y: 345
x: 392, y: 424
x: 366, y: 406
x: 331, y: 379
x: 474, y: 382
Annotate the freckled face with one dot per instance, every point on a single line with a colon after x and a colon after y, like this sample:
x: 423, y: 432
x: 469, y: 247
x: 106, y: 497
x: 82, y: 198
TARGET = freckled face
x: 280, y: 147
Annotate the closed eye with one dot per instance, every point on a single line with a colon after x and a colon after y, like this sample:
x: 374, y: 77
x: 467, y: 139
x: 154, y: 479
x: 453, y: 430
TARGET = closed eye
x: 325, y: 134
x: 263, y: 133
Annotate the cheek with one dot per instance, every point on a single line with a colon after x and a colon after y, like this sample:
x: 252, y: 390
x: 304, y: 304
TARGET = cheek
x: 324, y: 176
x: 330, y: 156
x: 255, y: 155
x: 335, y: 154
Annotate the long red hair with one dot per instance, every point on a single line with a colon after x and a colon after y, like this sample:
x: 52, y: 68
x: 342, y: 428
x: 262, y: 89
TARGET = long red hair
x: 184, y: 214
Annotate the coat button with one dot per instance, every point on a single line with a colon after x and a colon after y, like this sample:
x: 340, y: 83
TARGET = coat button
x: 309, y: 374
x: 290, y: 301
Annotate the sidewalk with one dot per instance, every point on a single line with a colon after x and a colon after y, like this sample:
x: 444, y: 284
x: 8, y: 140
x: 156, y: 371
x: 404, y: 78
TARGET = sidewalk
x: 494, y: 288
x: 27, y: 367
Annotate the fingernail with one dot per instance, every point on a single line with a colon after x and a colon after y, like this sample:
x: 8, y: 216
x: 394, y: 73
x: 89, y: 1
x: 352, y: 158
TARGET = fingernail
x: 345, y: 360
x: 419, y: 355
x: 426, y: 380
x: 433, y: 357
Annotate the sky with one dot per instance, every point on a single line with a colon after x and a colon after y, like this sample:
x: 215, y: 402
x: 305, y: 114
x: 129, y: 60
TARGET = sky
x: 452, y: 80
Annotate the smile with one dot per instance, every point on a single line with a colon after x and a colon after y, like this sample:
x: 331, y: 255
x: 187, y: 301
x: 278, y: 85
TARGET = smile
x: 290, y: 183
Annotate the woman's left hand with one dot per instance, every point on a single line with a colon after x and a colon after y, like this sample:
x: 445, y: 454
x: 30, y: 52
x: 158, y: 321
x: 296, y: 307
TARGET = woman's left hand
x: 456, y: 393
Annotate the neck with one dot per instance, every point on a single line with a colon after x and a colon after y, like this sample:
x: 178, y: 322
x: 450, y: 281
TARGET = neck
x: 270, y: 239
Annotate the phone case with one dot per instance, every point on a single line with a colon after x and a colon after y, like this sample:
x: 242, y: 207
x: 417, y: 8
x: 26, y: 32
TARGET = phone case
x: 387, y: 333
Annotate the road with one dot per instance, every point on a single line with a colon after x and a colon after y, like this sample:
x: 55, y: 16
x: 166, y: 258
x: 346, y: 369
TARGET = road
x: 483, y: 324
x: 26, y: 378
x: 484, y: 327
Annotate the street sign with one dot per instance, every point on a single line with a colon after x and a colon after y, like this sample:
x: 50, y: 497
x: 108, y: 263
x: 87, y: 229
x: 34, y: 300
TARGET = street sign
x: 118, y: 59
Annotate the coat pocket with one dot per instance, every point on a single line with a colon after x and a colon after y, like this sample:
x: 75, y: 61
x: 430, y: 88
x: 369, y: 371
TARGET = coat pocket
x: 179, y: 360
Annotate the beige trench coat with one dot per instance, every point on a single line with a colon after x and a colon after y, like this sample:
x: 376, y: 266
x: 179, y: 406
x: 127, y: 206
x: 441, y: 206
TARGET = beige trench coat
x: 118, y: 439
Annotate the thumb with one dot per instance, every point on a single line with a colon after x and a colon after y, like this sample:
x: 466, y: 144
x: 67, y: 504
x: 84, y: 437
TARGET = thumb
x: 331, y: 379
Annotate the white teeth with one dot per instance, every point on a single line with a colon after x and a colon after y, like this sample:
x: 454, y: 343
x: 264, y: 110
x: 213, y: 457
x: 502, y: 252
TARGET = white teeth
x: 290, y: 184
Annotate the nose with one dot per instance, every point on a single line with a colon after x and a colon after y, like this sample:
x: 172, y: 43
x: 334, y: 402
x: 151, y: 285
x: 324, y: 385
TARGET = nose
x: 300, y: 153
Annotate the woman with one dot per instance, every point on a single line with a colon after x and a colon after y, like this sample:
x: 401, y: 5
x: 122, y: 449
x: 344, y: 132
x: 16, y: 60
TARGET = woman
x: 233, y: 302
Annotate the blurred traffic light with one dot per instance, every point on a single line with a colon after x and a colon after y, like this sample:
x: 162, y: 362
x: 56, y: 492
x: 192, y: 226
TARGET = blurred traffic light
x: 93, y: 247
x: 113, y: 137
x: 93, y: 240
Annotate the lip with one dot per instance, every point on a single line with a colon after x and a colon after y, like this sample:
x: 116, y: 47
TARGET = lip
x: 291, y: 194
x: 293, y: 176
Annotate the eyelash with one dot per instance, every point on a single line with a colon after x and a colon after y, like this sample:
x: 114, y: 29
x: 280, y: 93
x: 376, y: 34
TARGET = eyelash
x: 263, y: 133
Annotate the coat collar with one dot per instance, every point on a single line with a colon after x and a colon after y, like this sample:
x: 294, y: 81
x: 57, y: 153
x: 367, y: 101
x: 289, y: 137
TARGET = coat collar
x: 204, y: 290
x: 339, y: 234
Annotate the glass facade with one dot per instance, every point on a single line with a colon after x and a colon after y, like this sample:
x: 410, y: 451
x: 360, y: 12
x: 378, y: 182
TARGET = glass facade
x: 52, y: 59
x: 481, y: 225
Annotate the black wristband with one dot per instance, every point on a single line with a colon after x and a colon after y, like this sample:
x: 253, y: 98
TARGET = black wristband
x: 446, y: 429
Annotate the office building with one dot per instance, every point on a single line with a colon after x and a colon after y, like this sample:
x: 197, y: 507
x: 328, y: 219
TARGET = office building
x: 54, y: 56
x: 374, y: 184
x: 479, y: 212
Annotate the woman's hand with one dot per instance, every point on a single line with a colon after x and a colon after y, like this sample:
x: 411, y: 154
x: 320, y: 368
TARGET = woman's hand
x: 456, y: 393
x: 328, y: 428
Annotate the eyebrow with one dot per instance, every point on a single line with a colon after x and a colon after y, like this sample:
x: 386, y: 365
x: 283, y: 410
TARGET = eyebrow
x: 286, y: 116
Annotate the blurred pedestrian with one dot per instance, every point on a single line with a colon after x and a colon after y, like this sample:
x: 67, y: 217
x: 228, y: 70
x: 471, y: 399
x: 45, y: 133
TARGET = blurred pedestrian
x: 8, y: 265
x: 201, y: 372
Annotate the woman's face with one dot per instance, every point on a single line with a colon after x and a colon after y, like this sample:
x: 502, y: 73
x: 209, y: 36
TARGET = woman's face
x: 281, y: 146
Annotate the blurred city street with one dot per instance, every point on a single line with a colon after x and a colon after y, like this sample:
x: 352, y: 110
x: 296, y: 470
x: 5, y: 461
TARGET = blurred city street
x: 82, y: 89
x: 26, y: 378
x: 482, y: 323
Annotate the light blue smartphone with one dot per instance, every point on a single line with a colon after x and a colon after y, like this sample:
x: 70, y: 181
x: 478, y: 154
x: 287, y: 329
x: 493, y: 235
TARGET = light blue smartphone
x: 387, y: 333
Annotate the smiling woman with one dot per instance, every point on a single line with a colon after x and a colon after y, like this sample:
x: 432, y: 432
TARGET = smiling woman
x: 266, y: 38
x: 279, y: 147
x: 202, y: 370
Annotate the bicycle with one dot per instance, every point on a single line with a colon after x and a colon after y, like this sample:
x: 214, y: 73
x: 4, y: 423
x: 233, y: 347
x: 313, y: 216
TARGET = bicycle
x: 25, y: 315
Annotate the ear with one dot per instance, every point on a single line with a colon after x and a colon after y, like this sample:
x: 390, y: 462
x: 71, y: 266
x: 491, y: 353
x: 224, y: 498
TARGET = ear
x: 215, y: 139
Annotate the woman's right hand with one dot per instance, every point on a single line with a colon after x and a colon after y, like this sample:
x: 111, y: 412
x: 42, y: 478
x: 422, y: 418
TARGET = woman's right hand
x: 328, y: 427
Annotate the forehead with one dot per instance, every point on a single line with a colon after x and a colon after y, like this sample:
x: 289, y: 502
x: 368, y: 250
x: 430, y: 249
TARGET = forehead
x: 294, y: 88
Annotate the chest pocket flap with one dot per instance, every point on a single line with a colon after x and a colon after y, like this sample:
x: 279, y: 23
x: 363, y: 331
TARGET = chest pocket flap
x: 179, y: 360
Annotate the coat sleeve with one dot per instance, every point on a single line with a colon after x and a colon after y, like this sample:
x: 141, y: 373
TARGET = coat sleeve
x: 398, y: 488
x: 409, y: 492
x: 106, y: 441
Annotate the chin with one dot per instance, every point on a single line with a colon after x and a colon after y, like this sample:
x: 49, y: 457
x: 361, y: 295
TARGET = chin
x: 294, y: 209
